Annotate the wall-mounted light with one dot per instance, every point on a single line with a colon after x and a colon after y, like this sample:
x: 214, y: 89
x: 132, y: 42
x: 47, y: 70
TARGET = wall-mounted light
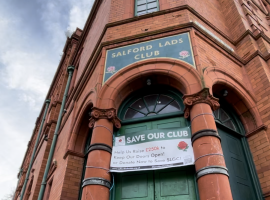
x: 148, y: 81
x: 225, y: 93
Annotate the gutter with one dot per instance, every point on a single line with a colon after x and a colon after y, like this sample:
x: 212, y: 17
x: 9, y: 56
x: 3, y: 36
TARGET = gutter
x: 34, y: 150
x: 70, y: 70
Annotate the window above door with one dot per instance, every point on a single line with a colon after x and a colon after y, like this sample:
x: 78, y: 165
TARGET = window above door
x: 150, y: 105
x: 151, y: 102
x: 223, y: 118
x: 143, y: 7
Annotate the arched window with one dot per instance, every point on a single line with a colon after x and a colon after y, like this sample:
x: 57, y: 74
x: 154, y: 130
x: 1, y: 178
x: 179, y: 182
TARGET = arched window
x: 154, y: 104
x: 151, y: 102
x: 223, y: 118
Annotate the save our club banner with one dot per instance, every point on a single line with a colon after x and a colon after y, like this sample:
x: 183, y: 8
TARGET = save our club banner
x: 152, y: 150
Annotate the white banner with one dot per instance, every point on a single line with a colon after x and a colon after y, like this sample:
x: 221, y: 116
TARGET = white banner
x: 152, y: 149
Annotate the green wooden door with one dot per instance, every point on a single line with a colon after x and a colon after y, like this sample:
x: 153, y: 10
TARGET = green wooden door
x: 166, y: 184
x: 240, y: 177
x: 175, y: 184
x: 134, y: 185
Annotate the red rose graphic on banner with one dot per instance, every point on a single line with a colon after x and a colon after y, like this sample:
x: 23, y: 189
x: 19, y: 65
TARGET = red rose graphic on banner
x: 184, y: 54
x: 182, y: 146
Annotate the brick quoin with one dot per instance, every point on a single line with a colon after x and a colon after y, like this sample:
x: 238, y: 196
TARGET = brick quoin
x: 231, y: 47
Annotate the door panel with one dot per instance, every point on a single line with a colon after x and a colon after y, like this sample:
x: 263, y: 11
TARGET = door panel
x: 175, y: 184
x: 135, y: 128
x: 241, y: 184
x: 177, y: 122
x: 134, y: 185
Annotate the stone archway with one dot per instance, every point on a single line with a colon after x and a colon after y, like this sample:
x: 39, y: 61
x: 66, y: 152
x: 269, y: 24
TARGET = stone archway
x: 177, y: 74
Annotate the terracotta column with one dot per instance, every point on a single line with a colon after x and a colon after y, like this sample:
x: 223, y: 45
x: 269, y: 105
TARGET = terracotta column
x: 97, y: 181
x: 212, y: 174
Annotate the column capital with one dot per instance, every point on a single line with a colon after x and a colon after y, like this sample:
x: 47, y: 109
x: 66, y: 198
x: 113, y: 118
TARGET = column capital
x: 110, y: 114
x: 203, y: 96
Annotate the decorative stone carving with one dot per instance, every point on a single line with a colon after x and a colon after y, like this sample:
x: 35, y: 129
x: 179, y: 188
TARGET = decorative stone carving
x: 109, y: 114
x: 203, y: 96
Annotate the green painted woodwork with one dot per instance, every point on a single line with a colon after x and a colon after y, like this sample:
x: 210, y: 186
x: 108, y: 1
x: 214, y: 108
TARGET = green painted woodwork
x: 243, y: 177
x: 236, y: 162
x: 134, y: 185
x: 171, y: 184
x: 87, y: 145
x: 175, y: 184
x: 166, y: 184
x: 133, y: 128
x: 177, y: 122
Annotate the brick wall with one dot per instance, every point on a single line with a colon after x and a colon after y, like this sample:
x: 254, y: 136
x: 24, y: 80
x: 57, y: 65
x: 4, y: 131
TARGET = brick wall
x: 101, y: 19
x: 229, y: 20
x: 260, y: 149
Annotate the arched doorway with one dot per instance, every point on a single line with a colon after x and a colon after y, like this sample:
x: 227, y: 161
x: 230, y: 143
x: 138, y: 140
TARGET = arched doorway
x: 86, y: 151
x: 151, y: 108
x: 243, y: 178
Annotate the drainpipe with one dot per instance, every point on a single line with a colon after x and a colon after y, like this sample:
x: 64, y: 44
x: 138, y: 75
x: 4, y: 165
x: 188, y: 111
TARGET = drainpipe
x: 20, y: 176
x: 34, y: 150
x: 70, y: 70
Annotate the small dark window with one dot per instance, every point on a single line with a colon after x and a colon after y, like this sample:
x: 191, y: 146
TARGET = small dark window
x: 149, y: 105
x: 146, y: 6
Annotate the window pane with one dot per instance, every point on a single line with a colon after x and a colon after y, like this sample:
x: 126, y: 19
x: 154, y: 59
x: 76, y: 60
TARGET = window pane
x: 151, y: 101
x: 229, y: 124
x: 132, y: 114
x: 162, y: 101
x: 222, y: 115
x: 152, y: 10
x: 152, y: 5
x: 172, y: 107
x: 140, y: 2
x: 141, y: 8
x: 139, y: 105
x: 149, y: 1
x: 216, y: 113
x: 151, y: 114
x: 141, y: 13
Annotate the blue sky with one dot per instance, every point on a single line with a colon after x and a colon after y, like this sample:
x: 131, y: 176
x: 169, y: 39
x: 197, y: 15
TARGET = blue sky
x: 32, y: 38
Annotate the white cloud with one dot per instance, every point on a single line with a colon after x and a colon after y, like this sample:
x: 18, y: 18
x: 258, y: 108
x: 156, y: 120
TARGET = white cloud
x: 29, y: 56
x: 78, y: 13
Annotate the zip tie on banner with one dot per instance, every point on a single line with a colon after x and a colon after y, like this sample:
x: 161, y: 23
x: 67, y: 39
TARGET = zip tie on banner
x: 211, y: 154
x: 202, y: 114
x: 103, y: 127
x: 112, y: 181
x: 108, y: 171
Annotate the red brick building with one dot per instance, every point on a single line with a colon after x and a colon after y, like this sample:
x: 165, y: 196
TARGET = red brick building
x: 147, y: 64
